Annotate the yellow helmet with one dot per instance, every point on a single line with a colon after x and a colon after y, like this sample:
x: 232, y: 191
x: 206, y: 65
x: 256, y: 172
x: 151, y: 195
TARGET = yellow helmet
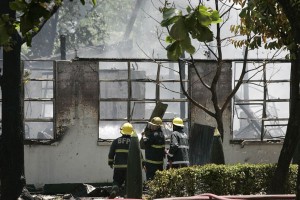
x: 126, y: 129
x: 177, y: 122
x: 156, y: 121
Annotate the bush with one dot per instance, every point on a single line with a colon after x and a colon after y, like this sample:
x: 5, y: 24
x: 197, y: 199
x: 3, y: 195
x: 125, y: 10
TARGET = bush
x: 243, y: 179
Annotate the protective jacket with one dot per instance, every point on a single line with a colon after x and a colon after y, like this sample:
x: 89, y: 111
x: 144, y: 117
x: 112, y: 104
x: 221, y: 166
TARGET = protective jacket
x: 118, y: 152
x: 179, y: 148
x: 154, y: 147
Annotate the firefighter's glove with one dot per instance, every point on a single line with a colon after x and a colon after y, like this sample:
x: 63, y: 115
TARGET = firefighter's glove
x: 111, y: 166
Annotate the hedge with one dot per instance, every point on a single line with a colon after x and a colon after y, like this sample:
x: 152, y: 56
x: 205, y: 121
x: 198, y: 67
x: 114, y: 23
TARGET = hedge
x: 240, y: 179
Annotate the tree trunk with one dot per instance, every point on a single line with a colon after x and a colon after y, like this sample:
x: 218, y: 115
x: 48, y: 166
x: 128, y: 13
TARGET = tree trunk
x: 219, y: 119
x: 293, y: 130
x: 292, y: 134
x: 11, y: 143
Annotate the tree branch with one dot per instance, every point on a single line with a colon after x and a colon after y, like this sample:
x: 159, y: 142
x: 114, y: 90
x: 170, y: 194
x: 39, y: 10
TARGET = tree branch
x: 240, y: 81
x: 53, y: 9
x: 214, y: 96
x: 198, y: 74
x: 189, y: 97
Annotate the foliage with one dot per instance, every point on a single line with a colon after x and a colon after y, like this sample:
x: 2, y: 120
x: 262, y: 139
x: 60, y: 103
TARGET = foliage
x: 83, y: 26
x: 182, y: 28
x: 267, y: 23
x: 31, y: 16
x: 243, y: 179
x: 86, y: 28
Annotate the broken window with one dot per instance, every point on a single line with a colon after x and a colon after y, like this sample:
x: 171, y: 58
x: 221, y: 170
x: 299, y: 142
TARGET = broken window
x: 38, y: 100
x: 261, y: 105
x: 129, y: 91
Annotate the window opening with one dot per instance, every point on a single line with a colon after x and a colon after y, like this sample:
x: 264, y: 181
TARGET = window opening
x: 129, y: 91
x: 39, y: 101
x: 261, y: 105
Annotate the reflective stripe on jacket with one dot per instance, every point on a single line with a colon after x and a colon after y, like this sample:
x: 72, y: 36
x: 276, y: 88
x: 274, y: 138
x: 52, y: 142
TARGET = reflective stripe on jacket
x: 118, y: 152
x: 154, y: 147
x: 179, y: 148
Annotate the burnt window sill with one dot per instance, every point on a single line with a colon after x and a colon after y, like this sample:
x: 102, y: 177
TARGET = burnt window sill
x: 256, y: 142
x: 40, y: 142
x: 104, y: 142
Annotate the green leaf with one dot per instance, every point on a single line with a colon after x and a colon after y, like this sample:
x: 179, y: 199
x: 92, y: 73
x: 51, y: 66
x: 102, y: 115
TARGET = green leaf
x: 94, y: 2
x: 215, y: 17
x: 203, y: 11
x: 178, y: 30
x: 243, y: 13
x: 82, y: 2
x: 169, y: 21
x: 18, y: 5
x: 169, y: 39
x: 203, y: 17
x: 170, y: 16
x: 36, y: 11
x: 202, y: 34
x: 187, y: 46
x: 189, y: 9
x: 174, y: 51
x: 4, y: 39
x: 171, y: 12
x: 26, y: 24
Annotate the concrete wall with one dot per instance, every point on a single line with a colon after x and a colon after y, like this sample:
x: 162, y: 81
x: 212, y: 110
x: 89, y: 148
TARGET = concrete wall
x: 248, y: 152
x: 76, y: 157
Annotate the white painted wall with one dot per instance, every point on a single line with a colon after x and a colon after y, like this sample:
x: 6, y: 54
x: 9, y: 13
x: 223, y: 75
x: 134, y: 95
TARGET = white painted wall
x: 75, y: 159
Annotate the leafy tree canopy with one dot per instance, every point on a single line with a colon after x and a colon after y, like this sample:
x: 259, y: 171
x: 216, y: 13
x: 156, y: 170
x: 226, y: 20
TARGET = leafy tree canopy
x: 195, y: 24
x: 31, y: 17
x: 266, y: 23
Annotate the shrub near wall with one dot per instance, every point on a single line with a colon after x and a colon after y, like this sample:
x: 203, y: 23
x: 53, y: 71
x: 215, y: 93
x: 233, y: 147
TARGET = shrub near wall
x: 242, y: 179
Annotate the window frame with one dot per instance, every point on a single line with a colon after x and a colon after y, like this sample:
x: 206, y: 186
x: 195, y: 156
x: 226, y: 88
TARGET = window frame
x: 130, y: 100
x: 46, y: 100
x: 264, y: 119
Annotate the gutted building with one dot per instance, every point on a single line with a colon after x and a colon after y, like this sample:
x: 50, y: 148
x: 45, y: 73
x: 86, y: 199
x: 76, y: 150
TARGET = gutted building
x: 74, y: 109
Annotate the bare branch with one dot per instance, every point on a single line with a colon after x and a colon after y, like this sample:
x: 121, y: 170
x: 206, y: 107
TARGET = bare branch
x: 198, y: 74
x: 228, y: 10
x: 190, y: 98
x: 52, y: 10
x: 240, y: 81
x: 210, y: 50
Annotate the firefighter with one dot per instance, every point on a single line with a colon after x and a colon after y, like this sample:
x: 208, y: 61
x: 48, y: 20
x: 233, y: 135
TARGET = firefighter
x: 117, y: 158
x: 154, y: 141
x: 178, y: 154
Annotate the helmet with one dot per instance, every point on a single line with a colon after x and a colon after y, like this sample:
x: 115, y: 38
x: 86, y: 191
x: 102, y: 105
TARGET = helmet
x: 156, y: 121
x: 126, y: 129
x: 177, y: 122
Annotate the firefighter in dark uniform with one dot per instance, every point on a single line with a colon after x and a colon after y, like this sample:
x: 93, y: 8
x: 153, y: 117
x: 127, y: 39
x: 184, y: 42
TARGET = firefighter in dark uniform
x: 178, y: 154
x: 154, y: 141
x: 117, y: 157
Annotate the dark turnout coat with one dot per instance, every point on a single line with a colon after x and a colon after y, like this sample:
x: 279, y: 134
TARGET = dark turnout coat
x: 154, y: 147
x: 179, y: 148
x: 118, y: 152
